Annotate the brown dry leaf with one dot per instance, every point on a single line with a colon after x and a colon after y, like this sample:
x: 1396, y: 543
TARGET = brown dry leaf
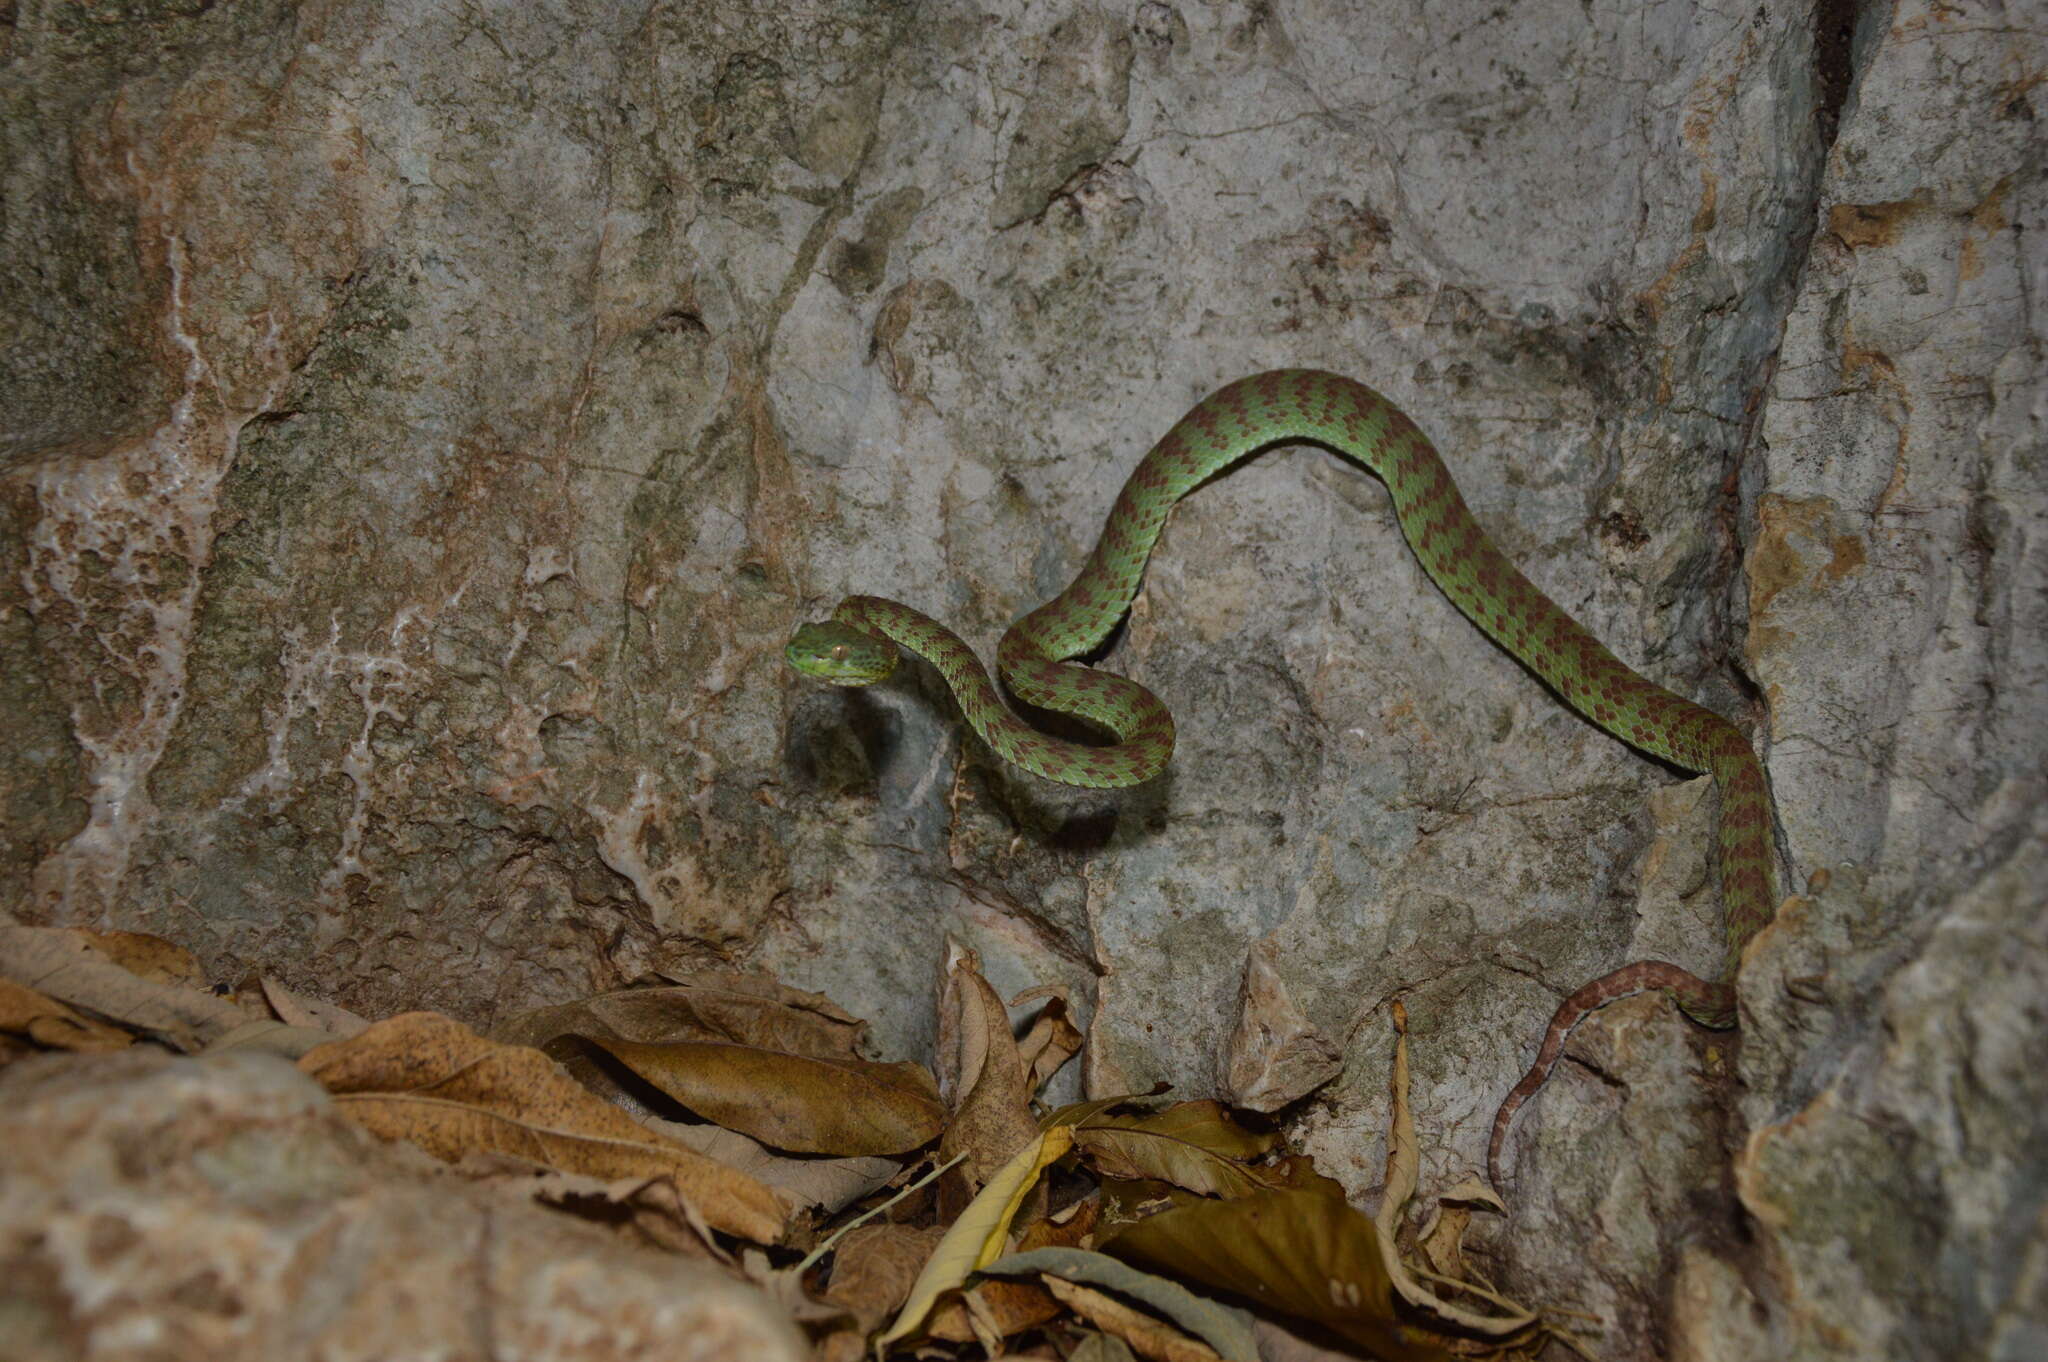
x: 1050, y: 1042
x: 1298, y: 1252
x: 785, y: 1286
x: 52, y: 1025
x: 826, y: 1183
x: 429, y: 1079
x: 657, y: 1209
x: 874, y: 1266
x: 795, y: 1102
x: 1195, y: 1145
x: 1404, y: 1161
x: 148, y: 957
x: 64, y: 964
x: 296, y: 1009
x: 841, y: 1345
x: 982, y: 1076
x: 739, y: 1009
x: 1095, y: 1347
x: 1148, y: 1336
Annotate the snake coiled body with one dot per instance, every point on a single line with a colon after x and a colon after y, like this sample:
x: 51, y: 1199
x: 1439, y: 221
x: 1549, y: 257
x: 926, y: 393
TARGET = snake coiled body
x: 1289, y: 405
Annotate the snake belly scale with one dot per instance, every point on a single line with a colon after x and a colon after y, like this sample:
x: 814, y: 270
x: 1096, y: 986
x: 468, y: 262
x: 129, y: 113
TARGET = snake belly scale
x: 858, y: 646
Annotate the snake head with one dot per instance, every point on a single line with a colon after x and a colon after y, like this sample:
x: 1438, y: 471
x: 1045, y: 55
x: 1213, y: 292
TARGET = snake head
x: 841, y: 654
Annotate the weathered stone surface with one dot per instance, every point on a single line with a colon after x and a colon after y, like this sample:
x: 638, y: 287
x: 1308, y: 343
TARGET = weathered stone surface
x: 220, y: 1208
x: 425, y: 424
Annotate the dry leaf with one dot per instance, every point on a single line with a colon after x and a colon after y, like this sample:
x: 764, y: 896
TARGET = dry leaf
x: 1012, y: 1306
x: 1404, y: 1162
x: 795, y: 1102
x: 1298, y: 1252
x: 1095, y: 1347
x: 296, y: 1009
x: 977, y: 1237
x: 657, y: 1209
x: 63, y: 964
x: 982, y: 1077
x: 1147, y: 1336
x: 429, y: 1079
x: 52, y: 1025
x: 147, y: 957
x: 1195, y: 1145
x: 739, y: 1009
x: 827, y: 1183
x: 1050, y: 1042
x: 1223, y: 1329
x: 874, y: 1266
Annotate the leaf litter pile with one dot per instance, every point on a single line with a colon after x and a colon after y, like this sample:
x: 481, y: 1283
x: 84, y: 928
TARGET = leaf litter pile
x: 890, y: 1211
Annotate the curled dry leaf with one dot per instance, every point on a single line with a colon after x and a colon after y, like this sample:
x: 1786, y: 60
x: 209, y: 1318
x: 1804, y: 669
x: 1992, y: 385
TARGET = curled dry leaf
x: 657, y: 1209
x: 874, y: 1266
x: 429, y: 1079
x: 1195, y: 1145
x: 1404, y: 1162
x: 296, y: 1009
x: 795, y: 1102
x: 1148, y: 1337
x: 1051, y: 1041
x: 67, y: 965
x: 982, y: 1075
x: 1298, y: 1252
x: 739, y: 1009
x: 49, y: 1023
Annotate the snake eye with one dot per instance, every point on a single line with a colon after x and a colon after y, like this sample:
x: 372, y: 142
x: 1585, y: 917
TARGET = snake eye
x: 839, y: 652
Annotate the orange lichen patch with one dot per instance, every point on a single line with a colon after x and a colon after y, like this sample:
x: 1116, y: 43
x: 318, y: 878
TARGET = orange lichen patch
x: 1848, y: 556
x: 1776, y: 563
x: 1874, y: 365
x: 1989, y: 214
x: 1988, y: 219
x: 1856, y: 225
x: 1968, y: 265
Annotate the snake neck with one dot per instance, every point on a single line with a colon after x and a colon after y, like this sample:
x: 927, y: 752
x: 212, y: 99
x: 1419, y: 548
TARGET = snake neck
x: 1138, y: 720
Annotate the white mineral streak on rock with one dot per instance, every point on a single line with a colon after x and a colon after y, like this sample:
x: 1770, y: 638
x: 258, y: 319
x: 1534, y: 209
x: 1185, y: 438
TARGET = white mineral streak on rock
x: 670, y: 889
x: 138, y: 522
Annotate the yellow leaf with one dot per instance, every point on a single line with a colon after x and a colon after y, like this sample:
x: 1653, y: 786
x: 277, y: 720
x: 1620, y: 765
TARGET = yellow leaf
x: 977, y: 1238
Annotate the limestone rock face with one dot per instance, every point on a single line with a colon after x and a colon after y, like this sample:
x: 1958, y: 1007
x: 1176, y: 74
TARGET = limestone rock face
x: 421, y: 426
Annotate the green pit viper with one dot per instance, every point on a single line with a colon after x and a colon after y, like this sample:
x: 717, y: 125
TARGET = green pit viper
x: 858, y: 646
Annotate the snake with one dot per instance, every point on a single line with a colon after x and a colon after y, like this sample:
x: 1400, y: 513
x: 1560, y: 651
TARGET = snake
x: 860, y: 643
